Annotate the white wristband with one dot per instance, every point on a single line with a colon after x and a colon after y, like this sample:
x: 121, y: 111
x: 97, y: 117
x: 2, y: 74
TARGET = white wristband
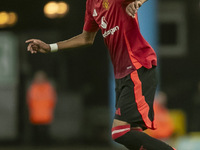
x: 54, y: 47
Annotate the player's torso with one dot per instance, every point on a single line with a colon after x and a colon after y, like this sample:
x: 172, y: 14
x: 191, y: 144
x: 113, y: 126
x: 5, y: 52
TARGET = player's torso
x: 106, y: 13
x: 110, y: 16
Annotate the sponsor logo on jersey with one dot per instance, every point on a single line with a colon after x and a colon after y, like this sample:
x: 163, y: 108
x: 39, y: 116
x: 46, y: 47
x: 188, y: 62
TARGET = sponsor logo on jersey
x: 104, y: 23
x: 94, y: 13
x: 111, y: 31
x: 105, y: 4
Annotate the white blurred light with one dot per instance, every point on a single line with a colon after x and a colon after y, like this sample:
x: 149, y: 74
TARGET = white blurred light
x: 55, y: 9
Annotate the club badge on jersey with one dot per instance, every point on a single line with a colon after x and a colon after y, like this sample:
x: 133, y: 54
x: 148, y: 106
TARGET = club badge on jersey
x: 105, y: 4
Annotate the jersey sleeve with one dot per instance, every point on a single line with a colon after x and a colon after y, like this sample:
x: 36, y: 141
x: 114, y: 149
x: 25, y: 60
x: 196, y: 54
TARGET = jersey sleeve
x: 90, y: 24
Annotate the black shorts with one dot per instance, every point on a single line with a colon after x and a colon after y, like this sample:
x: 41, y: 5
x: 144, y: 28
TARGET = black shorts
x: 135, y: 96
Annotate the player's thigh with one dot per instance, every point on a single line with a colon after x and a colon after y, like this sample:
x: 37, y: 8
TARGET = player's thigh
x: 135, y: 95
x: 126, y: 106
x: 117, y: 122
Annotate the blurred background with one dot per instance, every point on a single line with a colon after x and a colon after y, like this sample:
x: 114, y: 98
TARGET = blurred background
x: 81, y: 81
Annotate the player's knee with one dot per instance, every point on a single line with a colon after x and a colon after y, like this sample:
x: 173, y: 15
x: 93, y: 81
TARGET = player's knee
x: 119, y: 131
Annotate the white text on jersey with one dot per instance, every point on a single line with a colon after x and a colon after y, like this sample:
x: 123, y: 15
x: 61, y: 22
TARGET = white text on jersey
x: 111, y: 31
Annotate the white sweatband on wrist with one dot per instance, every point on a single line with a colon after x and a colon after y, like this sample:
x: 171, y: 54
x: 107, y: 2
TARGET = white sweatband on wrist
x: 54, y: 47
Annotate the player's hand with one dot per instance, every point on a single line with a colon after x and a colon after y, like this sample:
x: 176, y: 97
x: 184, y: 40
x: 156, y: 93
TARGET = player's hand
x: 35, y: 45
x: 132, y: 8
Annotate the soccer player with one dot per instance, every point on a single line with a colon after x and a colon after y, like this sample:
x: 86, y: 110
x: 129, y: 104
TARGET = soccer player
x: 134, y: 63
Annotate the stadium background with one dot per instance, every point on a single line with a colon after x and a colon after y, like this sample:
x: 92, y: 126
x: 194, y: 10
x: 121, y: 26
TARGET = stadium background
x: 82, y: 77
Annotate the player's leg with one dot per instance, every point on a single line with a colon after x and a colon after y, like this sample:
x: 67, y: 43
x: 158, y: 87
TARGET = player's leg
x: 134, y: 105
x: 134, y: 138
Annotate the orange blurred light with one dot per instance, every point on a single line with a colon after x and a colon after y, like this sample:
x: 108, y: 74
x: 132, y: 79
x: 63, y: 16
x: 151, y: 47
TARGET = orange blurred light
x: 4, y: 17
x: 12, y: 18
x: 8, y: 19
x: 50, y: 9
x: 55, y: 9
x: 63, y: 8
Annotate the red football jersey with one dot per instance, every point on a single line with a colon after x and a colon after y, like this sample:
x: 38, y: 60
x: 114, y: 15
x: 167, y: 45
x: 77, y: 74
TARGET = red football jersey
x: 127, y: 47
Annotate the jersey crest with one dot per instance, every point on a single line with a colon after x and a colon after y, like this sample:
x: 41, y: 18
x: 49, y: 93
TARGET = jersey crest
x: 105, y: 4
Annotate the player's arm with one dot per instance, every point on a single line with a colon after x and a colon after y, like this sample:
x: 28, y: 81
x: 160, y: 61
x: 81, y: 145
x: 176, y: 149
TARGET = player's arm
x: 81, y: 40
x: 143, y: 1
x: 134, y: 5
